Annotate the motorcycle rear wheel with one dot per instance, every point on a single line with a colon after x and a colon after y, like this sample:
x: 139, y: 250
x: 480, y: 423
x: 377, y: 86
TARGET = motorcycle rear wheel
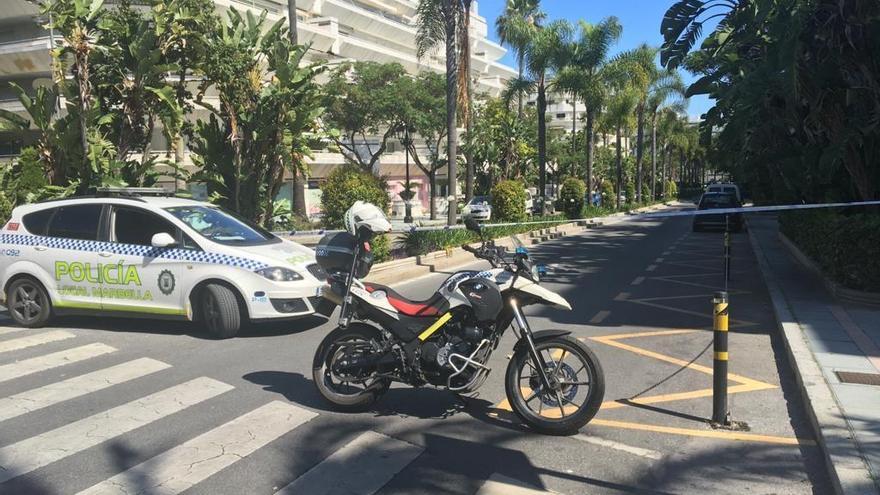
x: 557, y: 411
x: 347, y: 393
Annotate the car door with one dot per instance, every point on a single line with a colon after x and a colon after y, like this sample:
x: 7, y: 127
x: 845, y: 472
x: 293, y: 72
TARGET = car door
x: 142, y: 278
x: 67, y: 253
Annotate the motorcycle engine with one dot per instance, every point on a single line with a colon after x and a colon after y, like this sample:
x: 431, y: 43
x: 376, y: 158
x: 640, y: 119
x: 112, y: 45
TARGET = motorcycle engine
x: 456, y: 339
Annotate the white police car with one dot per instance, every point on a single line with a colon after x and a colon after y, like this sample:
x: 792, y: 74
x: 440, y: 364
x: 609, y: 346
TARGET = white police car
x: 137, y: 252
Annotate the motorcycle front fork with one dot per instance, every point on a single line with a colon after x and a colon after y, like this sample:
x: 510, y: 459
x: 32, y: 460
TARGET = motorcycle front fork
x: 524, y: 332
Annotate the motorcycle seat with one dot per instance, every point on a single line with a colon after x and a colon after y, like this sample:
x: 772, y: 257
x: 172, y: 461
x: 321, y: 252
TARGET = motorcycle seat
x: 433, y: 306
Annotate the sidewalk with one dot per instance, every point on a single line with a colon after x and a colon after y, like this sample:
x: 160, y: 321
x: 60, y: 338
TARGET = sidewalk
x: 825, y: 337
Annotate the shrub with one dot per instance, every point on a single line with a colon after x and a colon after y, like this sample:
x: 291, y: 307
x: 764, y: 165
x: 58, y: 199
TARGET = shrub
x: 571, y: 197
x: 630, y: 193
x: 607, y: 194
x: 381, y: 246
x: 344, y: 186
x: 846, y: 247
x: 509, y: 201
x: 671, y: 190
x: 646, y: 193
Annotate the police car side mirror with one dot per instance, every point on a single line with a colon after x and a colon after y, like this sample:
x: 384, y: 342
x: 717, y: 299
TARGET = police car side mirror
x: 163, y: 240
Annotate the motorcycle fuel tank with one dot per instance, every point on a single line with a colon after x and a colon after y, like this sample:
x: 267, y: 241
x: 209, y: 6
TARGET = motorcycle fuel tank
x: 484, y: 297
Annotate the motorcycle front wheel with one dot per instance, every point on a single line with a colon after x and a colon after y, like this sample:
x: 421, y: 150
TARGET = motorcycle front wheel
x: 351, y: 392
x: 577, y: 391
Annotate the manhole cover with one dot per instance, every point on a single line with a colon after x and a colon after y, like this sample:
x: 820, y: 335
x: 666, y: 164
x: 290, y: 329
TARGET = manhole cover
x: 858, y: 378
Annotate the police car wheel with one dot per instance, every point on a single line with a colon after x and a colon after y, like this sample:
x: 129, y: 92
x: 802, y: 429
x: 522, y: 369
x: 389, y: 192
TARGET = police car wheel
x: 220, y: 311
x: 28, y: 303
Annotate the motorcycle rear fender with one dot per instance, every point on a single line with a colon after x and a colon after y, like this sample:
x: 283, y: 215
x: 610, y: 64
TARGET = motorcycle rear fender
x: 537, y: 337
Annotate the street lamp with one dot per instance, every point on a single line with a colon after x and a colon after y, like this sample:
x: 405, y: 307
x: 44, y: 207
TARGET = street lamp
x: 407, y: 216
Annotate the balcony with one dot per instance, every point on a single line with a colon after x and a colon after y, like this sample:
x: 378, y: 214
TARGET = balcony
x: 25, y: 57
x: 369, y: 20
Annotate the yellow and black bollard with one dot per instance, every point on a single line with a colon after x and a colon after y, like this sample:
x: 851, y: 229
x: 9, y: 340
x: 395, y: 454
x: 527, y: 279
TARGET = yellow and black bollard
x: 719, y: 369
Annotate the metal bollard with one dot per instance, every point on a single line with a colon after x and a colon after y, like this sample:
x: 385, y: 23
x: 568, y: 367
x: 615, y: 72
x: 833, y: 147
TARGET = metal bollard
x: 720, y: 414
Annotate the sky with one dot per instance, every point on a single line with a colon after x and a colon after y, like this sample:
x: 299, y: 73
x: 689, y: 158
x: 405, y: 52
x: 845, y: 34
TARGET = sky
x: 640, y: 20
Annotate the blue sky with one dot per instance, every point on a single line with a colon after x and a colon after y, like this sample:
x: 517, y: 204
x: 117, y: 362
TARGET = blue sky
x: 640, y: 20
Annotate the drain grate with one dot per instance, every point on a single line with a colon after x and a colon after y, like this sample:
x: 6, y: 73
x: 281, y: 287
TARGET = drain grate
x: 858, y: 378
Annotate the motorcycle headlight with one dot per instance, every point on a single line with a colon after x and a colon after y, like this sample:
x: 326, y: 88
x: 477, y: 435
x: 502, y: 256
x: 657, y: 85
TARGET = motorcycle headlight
x: 279, y: 274
x: 535, y: 271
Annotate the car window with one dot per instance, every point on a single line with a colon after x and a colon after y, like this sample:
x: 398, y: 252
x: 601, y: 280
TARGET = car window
x: 135, y: 226
x: 76, y: 222
x: 38, y: 222
x: 729, y: 190
x: 718, y: 201
x: 222, y: 227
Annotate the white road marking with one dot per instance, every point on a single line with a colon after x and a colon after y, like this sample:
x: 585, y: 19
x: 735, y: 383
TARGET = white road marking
x: 188, y: 464
x: 622, y: 447
x: 5, y: 330
x: 659, y: 260
x: 368, y: 462
x: 41, y: 450
x: 651, y: 268
x: 54, y: 360
x: 600, y: 317
x: 54, y: 393
x: 623, y: 296
x: 638, y: 281
x: 502, y: 485
x: 34, y: 340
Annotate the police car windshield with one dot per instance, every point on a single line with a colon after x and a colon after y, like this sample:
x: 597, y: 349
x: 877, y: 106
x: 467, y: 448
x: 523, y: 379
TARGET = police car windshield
x: 222, y: 227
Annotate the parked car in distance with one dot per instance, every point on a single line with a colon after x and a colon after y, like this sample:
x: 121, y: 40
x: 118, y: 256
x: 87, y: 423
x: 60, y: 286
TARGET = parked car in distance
x: 478, y: 208
x: 143, y: 252
x: 727, y: 188
x: 716, y: 201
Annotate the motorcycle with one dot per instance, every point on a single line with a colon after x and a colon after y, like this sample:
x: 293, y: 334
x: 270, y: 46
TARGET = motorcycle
x: 554, y: 383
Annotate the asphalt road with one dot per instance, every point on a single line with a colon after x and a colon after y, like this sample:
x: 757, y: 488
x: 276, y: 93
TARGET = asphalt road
x: 136, y: 406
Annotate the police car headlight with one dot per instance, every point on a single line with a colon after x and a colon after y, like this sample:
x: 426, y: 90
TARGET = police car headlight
x: 278, y: 274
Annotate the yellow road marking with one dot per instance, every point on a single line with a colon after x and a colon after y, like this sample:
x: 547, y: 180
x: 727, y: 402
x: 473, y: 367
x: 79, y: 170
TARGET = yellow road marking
x: 638, y: 281
x: 651, y: 268
x: 735, y: 323
x: 722, y: 435
x: 623, y: 296
x: 612, y: 341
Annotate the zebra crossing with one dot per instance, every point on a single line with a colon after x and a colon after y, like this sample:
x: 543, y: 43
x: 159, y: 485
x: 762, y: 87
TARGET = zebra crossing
x: 371, y: 459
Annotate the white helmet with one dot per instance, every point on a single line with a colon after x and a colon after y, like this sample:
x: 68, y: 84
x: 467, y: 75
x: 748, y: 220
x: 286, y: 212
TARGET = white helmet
x: 366, y: 215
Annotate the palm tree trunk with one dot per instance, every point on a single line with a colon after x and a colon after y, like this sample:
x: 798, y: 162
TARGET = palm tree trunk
x: 469, y: 97
x: 640, y: 152
x: 591, y: 147
x: 654, y: 157
x: 291, y: 18
x: 542, y: 142
x: 449, y: 16
x: 574, y: 125
x: 521, y: 63
x: 619, y: 168
x: 432, y: 180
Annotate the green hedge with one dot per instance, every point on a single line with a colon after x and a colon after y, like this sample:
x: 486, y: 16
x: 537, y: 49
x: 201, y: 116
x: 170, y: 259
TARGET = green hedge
x: 509, y: 201
x: 344, y: 186
x: 846, y: 247
x: 571, y: 197
x: 423, y: 242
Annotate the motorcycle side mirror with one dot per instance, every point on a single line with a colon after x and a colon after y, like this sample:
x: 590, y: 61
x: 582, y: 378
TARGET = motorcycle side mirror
x: 471, y: 224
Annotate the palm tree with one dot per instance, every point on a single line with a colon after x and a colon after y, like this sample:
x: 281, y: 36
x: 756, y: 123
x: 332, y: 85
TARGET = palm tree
x: 515, y: 27
x: 646, y: 72
x: 591, y: 56
x: 542, y: 51
x: 466, y: 92
x: 683, y: 23
x: 666, y: 91
x: 438, y: 22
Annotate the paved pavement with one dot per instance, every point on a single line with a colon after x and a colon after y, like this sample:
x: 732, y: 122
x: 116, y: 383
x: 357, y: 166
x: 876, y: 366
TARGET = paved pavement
x: 841, y: 338
x: 135, y: 406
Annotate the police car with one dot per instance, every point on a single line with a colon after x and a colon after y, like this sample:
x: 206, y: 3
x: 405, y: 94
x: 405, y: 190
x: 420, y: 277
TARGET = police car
x: 142, y: 252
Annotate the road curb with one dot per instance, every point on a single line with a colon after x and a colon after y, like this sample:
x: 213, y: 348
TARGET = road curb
x: 847, y: 469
